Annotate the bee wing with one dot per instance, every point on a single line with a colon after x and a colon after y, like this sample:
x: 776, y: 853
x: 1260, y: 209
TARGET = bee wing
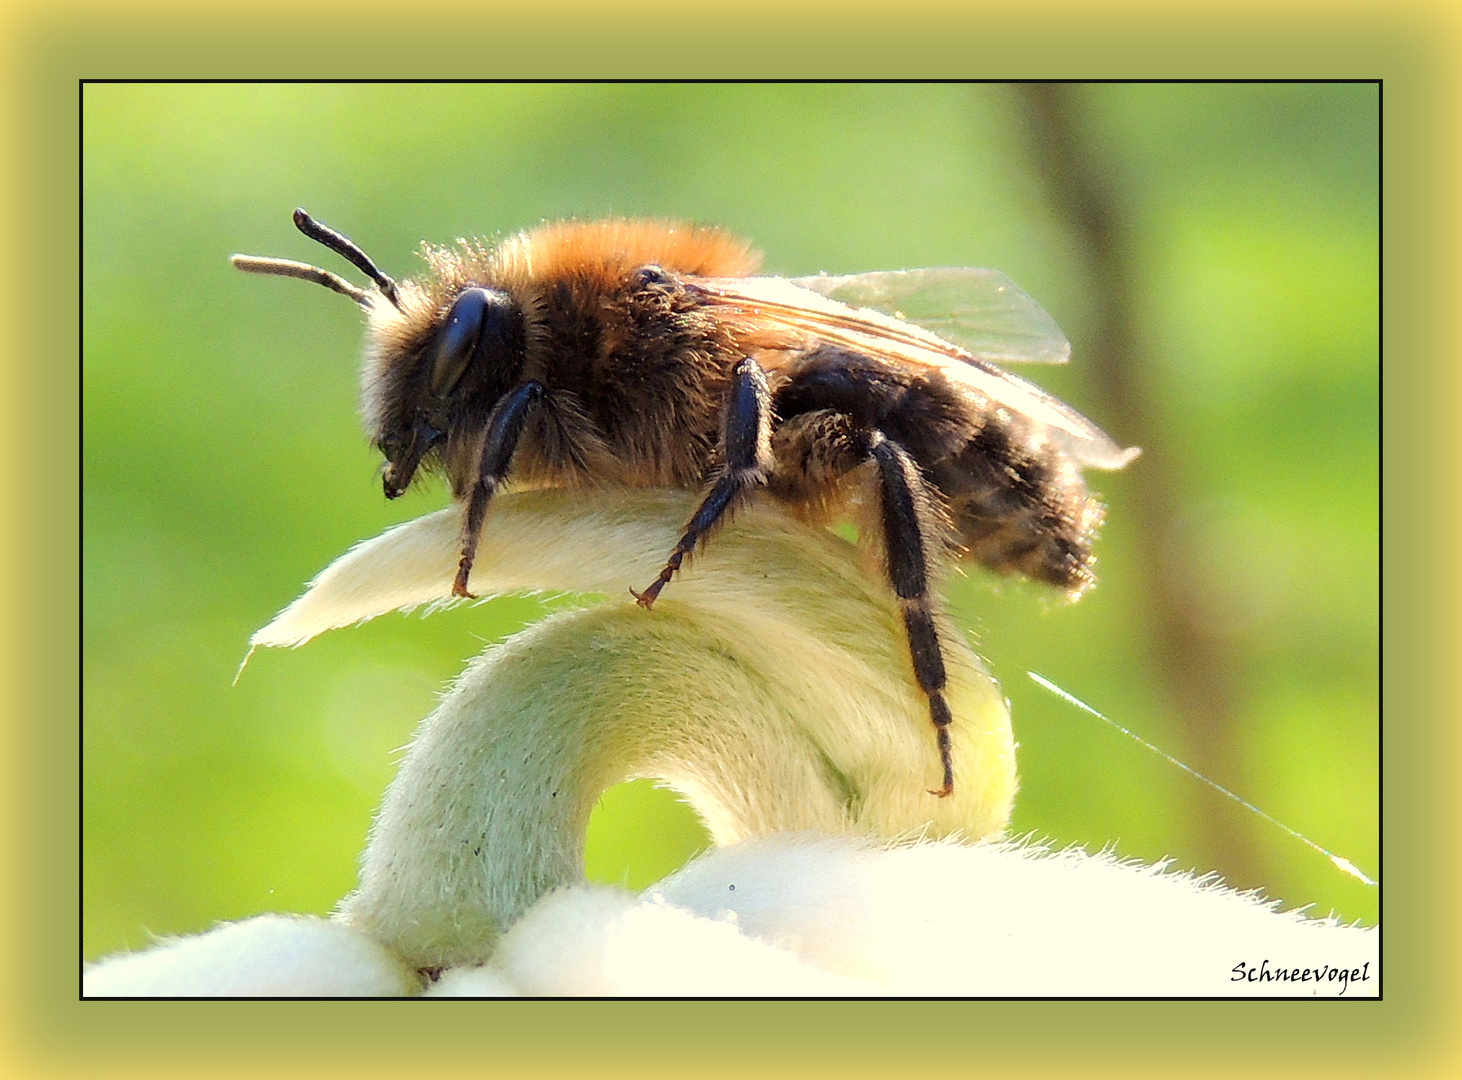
x: 780, y: 304
x: 982, y: 311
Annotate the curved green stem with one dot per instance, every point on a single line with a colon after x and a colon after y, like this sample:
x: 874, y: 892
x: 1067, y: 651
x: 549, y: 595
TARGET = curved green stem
x: 770, y: 686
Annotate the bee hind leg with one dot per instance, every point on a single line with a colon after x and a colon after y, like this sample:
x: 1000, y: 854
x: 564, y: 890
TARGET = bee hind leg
x: 746, y: 442
x: 907, y: 535
x: 813, y: 451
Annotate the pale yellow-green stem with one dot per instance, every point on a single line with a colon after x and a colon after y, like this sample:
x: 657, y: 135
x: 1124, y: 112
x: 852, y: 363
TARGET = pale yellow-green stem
x: 770, y: 685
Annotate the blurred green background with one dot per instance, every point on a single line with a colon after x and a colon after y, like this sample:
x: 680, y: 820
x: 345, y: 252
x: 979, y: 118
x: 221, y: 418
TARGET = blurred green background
x: 1211, y: 251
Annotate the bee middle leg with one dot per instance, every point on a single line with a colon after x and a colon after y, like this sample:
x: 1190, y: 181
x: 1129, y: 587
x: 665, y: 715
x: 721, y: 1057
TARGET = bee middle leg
x: 813, y: 451
x: 746, y: 442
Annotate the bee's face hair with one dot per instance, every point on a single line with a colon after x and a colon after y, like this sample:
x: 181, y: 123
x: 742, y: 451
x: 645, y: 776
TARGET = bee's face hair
x: 336, y: 242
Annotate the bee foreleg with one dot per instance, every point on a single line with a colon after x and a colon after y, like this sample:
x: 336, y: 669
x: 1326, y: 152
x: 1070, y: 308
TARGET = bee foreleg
x: 504, y: 427
x: 907, y: 541
x: 746, y: 442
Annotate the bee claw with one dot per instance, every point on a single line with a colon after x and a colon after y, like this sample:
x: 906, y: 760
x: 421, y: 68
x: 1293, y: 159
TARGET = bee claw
x: 945, y: 792
x: 459, y: 586
x: 645, y: 599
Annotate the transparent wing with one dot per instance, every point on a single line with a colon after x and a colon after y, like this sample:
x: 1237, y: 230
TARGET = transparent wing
x: 979, y: 310
x: 789, y: 307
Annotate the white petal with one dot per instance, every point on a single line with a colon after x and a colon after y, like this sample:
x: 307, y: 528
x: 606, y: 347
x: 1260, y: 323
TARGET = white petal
x: 1006, y: 920
x: 267, y: 956
x: 531, y: 541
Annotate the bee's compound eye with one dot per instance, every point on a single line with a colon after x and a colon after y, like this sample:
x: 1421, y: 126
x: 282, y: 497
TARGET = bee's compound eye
x: 480, y: 323
x: 458, y: 341
x: 650, y: 275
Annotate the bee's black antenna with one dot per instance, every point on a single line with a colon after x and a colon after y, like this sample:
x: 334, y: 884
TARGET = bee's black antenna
x: 343, y: 245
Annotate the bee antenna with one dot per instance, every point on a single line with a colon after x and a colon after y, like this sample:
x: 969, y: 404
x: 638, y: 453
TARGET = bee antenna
x: 254, y: 264
x: 343, y: 245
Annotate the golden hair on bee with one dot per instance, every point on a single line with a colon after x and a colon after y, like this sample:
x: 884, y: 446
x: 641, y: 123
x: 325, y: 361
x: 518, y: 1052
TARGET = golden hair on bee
x: 591, y: 253
x: 612, y: 248
x: 646, y: 354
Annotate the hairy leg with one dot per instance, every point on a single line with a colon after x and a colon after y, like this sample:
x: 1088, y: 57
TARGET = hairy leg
x: 504, y: 427
x: 813, y: 451
x: 745, y: 441
x: 907, y: 542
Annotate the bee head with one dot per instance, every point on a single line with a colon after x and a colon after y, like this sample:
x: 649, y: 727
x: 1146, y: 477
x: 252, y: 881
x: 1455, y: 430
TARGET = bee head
x: 436, y: 370
x: 450, y: 382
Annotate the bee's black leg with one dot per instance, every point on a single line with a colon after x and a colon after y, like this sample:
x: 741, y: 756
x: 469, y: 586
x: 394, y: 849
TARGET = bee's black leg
x: 746, y: 442
x: 813, y: 451
x: 504, y: 426
x: 907, y: 537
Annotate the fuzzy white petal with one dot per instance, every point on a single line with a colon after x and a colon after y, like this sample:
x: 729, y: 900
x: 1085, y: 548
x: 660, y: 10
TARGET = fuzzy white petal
x: 1005, y: 920
x: 595, y: 941
x: 267, y: 956
x: 805, y: 915
x: 532, y: 540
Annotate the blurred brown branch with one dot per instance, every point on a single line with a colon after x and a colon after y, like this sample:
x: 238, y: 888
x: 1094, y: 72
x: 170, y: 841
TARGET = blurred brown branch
x: 1185, y: 651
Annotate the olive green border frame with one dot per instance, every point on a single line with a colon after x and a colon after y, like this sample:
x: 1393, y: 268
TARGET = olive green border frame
x: 1412, y: 46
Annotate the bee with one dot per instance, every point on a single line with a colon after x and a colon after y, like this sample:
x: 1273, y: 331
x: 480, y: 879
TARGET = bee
x: 648, y: 354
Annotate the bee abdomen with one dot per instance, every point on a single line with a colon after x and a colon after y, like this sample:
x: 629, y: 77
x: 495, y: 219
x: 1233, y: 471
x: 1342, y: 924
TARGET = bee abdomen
x: 1021, y: 507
